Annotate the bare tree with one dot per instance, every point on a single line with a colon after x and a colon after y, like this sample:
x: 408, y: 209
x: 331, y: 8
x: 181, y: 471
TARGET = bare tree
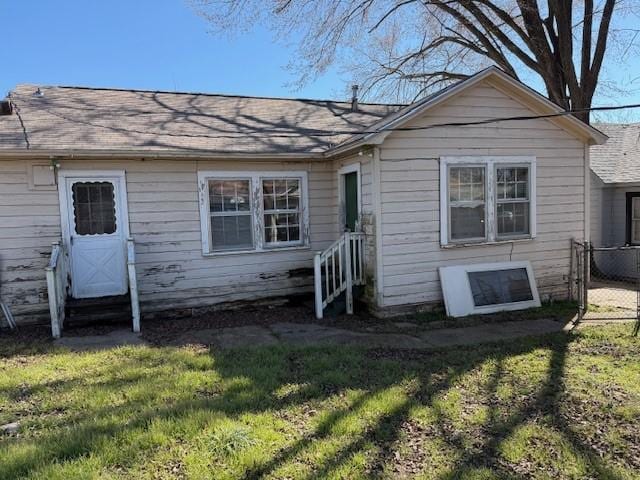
x: 406, y: 48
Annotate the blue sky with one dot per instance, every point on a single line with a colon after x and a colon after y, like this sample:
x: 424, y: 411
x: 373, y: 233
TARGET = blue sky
x: 161, y: 45
x: 149, y: 44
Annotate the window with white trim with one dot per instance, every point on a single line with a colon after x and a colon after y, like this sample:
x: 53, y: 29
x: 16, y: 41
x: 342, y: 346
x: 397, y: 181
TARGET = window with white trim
x: 252, y: 211
x: 486, y: 199
x: 281, y: 201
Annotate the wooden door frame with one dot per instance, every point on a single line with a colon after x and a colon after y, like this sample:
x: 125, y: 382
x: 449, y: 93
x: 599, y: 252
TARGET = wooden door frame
x: 352, y: 168
x: 121, y: 202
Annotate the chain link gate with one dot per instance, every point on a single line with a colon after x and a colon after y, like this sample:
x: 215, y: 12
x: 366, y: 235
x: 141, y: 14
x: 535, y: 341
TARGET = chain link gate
x: 605, y: 281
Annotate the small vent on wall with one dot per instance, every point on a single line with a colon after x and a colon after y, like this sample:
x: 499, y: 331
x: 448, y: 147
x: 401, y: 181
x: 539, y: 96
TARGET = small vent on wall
x: 6, y: 107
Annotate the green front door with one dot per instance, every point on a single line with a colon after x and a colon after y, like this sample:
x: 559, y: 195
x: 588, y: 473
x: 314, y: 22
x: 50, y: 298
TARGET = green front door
x: 351, y: 201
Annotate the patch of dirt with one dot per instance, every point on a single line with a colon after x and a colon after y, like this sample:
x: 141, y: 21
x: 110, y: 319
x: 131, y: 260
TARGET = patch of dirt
x: 593, y: 422
x: 28, y: 339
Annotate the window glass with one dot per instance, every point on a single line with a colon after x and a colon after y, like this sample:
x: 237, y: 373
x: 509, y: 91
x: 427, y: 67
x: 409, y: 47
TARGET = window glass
x: 467, y: 202
x: 231, y: 232
x: 231, y: 214
x: 94, y: 208
x: 281, y: 203
x: 500, y: 286
x: 229, y: 195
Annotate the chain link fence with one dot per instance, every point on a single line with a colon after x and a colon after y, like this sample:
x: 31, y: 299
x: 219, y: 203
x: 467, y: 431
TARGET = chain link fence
x: 606, y: 281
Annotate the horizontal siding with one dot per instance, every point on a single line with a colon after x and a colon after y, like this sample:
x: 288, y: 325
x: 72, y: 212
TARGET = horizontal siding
x: 165, y: 222
x: 410, y: 187
x: 164, y: 219
x: 29, y: 224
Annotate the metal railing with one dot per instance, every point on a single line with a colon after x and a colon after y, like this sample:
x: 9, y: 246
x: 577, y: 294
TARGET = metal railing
x: 338, y: 269
x: 133, y: 284
x: 57, y: 284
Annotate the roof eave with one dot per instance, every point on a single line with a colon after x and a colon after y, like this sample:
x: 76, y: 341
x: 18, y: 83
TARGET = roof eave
x: 169, y: 154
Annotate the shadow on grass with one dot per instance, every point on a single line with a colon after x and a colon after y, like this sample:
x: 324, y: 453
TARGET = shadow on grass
x: 253, y: 378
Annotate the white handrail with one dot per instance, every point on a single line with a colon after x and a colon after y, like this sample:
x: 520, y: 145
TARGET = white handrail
x: 56, y: 273
x: 342, y: 266
x: 133, y: 284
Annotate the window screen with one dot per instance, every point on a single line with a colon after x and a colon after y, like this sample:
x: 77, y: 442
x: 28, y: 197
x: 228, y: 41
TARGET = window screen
x: 231, y: 214
x: 281, y: 201
x: 94, y: 208
x: 500, y: 286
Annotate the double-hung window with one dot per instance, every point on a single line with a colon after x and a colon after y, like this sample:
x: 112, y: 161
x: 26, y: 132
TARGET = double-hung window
x: 486, y: 199
x: 252, y: 211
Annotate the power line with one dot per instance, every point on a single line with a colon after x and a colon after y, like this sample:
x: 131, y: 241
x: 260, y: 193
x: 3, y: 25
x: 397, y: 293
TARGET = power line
x: 22, y: 125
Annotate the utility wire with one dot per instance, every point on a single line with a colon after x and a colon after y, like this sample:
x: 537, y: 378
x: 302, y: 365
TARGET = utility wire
x: 22, y: 125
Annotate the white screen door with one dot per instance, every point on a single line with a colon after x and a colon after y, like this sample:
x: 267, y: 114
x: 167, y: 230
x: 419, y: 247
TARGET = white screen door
x: 96, y: 230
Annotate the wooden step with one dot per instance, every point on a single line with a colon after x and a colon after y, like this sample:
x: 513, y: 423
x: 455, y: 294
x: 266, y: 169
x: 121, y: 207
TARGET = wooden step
x: 98, y: 302
x: 98, y: 310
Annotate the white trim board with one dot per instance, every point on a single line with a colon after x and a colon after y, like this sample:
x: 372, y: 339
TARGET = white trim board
x: 354, y: 167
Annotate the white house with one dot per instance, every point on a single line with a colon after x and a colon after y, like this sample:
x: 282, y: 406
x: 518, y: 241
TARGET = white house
x: 227, y: 199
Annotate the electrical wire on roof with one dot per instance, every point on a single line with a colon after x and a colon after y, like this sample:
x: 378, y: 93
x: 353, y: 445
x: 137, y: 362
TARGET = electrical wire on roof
x: 301, y: 132
x: 22, y: 125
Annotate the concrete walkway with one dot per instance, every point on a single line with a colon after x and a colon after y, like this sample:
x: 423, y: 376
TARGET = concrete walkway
x: 309, y: 334
x: 116, y: 338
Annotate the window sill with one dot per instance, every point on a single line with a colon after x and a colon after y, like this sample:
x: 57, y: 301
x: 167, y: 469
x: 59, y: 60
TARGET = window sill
x: 254, y: 251
x: 484, y: 244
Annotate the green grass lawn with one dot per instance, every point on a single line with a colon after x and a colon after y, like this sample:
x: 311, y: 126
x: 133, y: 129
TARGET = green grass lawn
x: 561, y: 406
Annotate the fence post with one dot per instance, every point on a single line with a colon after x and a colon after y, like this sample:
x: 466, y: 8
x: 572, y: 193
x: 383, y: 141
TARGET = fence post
x: 133, y: 285
x: 317, y: 281
x: 637, y: 326
x: 585, y: 275
x: 348, y: 272
x: 571, y: 266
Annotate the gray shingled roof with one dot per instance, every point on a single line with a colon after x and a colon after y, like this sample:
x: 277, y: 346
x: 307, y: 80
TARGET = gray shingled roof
x: 618, y: 160
x: 76, y: 118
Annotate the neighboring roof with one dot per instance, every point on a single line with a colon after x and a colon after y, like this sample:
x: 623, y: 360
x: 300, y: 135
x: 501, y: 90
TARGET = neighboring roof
x: 618, y: 160
x: 77, y: 119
